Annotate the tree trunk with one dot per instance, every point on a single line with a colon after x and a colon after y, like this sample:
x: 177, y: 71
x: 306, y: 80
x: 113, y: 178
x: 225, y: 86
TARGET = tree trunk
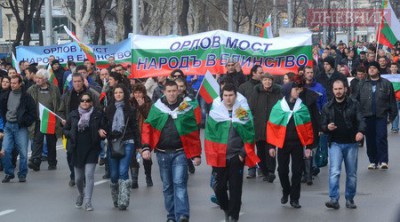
x: 127, y: 19
x: 120, y: 21
x: 183, y: 18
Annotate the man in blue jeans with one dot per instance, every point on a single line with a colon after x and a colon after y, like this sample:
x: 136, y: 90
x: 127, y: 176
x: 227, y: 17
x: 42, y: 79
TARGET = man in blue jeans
x: 344, y: 122
x: 171, y: 128
x: 18, y: 111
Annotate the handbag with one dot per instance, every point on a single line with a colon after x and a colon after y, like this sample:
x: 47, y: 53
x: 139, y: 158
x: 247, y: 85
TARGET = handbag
x: 321, y: 156
x: 117, y: 145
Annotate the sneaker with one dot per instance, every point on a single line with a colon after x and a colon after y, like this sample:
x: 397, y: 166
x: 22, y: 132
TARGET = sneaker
x: 53, y: 167
x: 88, y: 207
x: 372, y: 166
x: 295, y: 204
x: 384, y: 166
x: 214, y: 199
x: 71, y: 183
x: 350, y: 204
x: 79, y: 201
x: 334, y: 204
x: 149, y: 181
x: 270, y: 178
x: 251, y: 173
x: 183, y: 219
x: 22, y: 179
x: 395, y: 131
x: 7, y: 178
x: 170, y: 220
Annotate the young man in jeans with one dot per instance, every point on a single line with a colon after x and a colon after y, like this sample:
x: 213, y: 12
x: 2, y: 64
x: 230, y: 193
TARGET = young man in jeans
x: 342, y: 120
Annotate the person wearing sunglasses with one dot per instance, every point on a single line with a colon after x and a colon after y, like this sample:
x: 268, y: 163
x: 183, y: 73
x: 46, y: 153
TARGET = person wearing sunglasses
x: 82, y: 130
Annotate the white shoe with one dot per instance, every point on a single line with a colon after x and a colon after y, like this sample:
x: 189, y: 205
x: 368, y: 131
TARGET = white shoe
x: 384, y: 166
x: 372, y: 166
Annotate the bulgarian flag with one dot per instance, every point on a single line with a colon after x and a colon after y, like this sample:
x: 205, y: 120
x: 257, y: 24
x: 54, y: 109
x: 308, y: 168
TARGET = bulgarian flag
x: 266, y: 30
x: 47, y: 120
x: 389, y: 29
x: 88, y: 50
x: 186, y: 117
x: 103, y: 95
x: 209, y: 88
x: 217, y: 130
x: 15, y: 64
x: 67, y: 83
x: 52, y: 78
x: 395, y: 80
x: 280, y: 117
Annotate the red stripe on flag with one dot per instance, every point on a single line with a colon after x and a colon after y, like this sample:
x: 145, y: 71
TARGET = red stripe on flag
x: 251, y: 157
x: 150, y: 135
x: 275, y: 134
x: 191, y: 144
x: 305, y: 133
x: 215, y: 153
x: 206, y: 96
x: 51, y: 126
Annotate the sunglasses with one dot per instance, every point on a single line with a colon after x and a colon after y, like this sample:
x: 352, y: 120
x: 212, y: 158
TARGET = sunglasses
x: 86, y: 100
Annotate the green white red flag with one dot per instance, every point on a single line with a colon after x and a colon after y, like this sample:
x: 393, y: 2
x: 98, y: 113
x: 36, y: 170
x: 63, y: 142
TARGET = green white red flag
x: 217, y: 131
x: 15, y: 64
x: 47, y: 120
x: 209, y: 88
x: 266, y: 30
x: 395, y: 80
x: 52, y: 77
x: 186, y: 117
x: 389, y: 29
x: 280, y: 117
x: 88, y: 50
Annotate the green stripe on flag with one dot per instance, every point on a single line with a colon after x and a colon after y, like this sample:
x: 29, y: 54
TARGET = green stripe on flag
x: 302, y: 116
x: 156, y: 118
x: 396, y: 86
x: 217, y: 131
x: 210, y: 89
x: 44, y: 122
x: 388, y: 33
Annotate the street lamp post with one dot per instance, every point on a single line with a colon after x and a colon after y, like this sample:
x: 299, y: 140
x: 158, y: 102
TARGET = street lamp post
x: 9, y: 16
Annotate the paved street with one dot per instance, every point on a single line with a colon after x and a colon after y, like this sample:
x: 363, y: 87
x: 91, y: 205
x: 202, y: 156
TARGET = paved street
x: 47, y: 197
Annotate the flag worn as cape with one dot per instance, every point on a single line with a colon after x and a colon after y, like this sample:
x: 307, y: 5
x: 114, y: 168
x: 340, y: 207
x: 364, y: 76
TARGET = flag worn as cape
x: 217, y: 131
x: 280, y: 117
x: 186, y: 116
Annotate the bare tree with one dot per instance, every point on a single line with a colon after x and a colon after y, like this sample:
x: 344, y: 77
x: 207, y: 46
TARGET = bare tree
x: 183, y: 17
x: 79, y: 15
x: 100, y: 12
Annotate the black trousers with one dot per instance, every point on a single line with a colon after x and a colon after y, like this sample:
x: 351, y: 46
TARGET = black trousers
x: 296, y: 152
x: 268, y: 163
x: 146, y: 164
x: 232, y: 174
x: 37, y: 146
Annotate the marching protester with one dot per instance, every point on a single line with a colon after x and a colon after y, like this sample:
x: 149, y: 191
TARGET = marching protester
x: 231, y: 119
x: 58, y: 73
x: 344, y: 122
x: 120, y: 125
x: 82, y: 129
x: 394, y: 70
x: 233, y: 74
x: 47, y: 95
x: 175, y: 139
x: 18, y: 113
x: 290, y: 131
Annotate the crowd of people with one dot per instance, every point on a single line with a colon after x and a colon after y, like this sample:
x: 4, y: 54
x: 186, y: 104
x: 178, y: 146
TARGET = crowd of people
x: 284, y: 118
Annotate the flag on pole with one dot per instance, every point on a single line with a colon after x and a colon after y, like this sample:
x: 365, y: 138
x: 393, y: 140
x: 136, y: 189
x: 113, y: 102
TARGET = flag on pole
x: 52, y: 78
x: 389, y: 29
x: 266, y: 30
x: 15, y: 64
x: 88, y: 50
x: 209, y: 88
x: 47, y: 120
x: 395, y: 80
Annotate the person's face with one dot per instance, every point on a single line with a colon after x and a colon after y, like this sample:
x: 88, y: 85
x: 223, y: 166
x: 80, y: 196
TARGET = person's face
x: 229, y: 98
x: 161, y: 79
x: 230, y: 67
x: 40, y: 81
x: 132, y: 82
x: 394, y: 69
x: 55, y: 66
x: 267, y: 83
x: 88, y: 65
x: 12, y: 72
x: 86, y: 102
x: 181, y: 87
x: 25, y: 65
x: 138, y: 95
x: 382, y: 62
x: 77, y: 83
x: 327, y: 67
x: 119, y: 70
x: 294, y: 94
x: 361, y: 75
x: 104, y: 74
x: 342, y: 70
x: 257, y: 75
x: 351, y: 54
x: 301, y: 72
x: 381, y: 52
x: 171, y: 93
x: 83, y: 72
x: 362, y: 56
x: 5, y: 83
x: 15, y: 84
x: 371, y: 57
x: 118, y: 94
x: 51, y: 58
x: 176, y: 75
x: 339, y: 91
x: 309, y: 74
x: 111, y: 60
x: 373, y: 71
x: 286, y: 79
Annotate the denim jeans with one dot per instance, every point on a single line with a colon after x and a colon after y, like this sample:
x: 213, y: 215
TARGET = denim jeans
x: 119, y: 168
x: 395, y: 123
x: 102, y: 149
x: 174, y: 175
x: 347, y: 153
x: 15, y: 137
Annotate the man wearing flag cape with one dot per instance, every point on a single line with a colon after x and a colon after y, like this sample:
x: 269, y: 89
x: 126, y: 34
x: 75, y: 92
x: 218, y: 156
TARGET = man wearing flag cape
x: 229, y: 145
x: 171, y: 129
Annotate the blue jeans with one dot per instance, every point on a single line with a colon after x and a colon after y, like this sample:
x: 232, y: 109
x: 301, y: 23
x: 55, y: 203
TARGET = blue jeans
x: 347, y: 153
x: 15, y: 137
x: 395, y: 123
x: 119, y: 168
x: 174, y: 175
x: 102, y: 149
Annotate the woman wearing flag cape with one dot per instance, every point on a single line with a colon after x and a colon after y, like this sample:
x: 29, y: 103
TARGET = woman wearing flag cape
x: 290, y: 130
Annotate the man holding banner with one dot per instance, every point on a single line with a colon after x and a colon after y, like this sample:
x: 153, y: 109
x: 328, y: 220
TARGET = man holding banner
x: 47, y: 95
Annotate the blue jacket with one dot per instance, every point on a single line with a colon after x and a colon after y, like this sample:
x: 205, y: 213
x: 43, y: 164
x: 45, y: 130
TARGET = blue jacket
x: 318, y: 88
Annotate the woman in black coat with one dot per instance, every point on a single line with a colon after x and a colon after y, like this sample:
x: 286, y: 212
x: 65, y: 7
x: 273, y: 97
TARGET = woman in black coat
x: 82, y: 129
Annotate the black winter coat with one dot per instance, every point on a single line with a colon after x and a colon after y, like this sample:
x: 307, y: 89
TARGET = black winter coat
x: 310, y: 99
x: 26, y: 112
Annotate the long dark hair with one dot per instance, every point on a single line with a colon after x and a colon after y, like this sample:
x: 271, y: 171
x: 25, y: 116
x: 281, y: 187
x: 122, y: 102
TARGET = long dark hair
x: 127, y: 106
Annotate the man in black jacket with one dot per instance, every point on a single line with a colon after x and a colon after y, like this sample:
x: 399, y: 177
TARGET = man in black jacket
x: 343, y: 121
x: 378, y: 104
x: 246, y: 89
x: 329, y: 75
x: 18, y: 111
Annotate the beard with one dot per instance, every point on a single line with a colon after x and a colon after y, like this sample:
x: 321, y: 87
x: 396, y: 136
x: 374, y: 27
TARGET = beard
x: 340, y: 97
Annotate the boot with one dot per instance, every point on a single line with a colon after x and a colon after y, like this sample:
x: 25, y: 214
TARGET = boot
x: 134, y: 176
x: 147, y: 170
x: 149, y: 181
x: 307, y: 171
x: 34, y: 164
x: 114, y: 193
x: 124, y: 194
x: 107, y: 169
